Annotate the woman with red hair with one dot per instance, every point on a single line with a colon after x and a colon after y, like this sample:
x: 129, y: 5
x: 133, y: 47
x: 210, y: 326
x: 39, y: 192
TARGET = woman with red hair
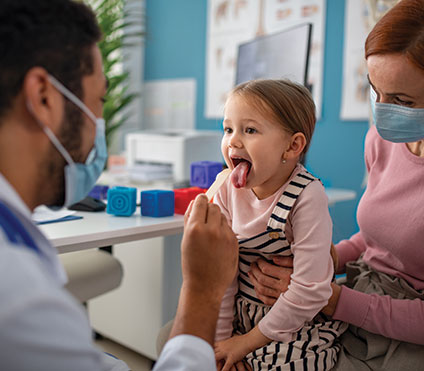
x: 383, y: 298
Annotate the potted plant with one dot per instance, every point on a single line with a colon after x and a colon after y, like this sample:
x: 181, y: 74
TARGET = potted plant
x: 121, y: 26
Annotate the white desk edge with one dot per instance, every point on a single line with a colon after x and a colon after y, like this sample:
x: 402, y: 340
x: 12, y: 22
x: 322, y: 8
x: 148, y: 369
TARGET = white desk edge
x: 100, y: 229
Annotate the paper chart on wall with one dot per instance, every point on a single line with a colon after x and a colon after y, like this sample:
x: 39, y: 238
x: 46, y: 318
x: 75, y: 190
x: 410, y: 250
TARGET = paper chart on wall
x: 169, y: 104
x: 360, y: 18
x: 355, y: 94
x: 231, y: 22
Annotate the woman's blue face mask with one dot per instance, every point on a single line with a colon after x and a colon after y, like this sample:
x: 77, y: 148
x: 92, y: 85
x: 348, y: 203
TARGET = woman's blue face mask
x: 397, y: 123
x: 80, y: 178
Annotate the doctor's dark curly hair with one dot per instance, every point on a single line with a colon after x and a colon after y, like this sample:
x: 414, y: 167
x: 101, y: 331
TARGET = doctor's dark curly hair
x: 57, y: 35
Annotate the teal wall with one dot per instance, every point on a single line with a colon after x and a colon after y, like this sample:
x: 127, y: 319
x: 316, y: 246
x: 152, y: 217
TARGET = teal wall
x: 176, y: 48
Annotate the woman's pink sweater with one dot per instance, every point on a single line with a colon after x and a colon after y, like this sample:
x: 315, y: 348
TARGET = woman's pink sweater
x: 391, y: 221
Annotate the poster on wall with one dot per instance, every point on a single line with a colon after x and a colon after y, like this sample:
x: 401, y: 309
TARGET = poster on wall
x: 233, y: 22
x: 355, y: 94
x: 169, y: 104
x: 360, y: 18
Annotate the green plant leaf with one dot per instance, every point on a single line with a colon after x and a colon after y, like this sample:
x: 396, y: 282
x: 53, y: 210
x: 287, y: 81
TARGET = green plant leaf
x: 117, y: 25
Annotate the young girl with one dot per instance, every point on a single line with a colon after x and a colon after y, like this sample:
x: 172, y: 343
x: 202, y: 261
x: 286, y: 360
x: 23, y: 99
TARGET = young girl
x: 275, y: 207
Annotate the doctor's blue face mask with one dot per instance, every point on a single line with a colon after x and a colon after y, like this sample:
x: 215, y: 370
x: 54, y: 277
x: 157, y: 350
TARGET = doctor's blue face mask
x: 79, y: 178
x: 397, y: 123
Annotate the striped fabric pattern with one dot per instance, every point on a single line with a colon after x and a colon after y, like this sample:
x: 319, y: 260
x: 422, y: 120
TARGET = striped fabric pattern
x: 313, y: 347
x: 273, y: 241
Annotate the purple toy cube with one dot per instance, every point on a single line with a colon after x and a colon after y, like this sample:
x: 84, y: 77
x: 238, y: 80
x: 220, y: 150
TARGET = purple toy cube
x: 99, y: 192
x: 157, y: 203
x: 121, y: 201
x: 203, y: 173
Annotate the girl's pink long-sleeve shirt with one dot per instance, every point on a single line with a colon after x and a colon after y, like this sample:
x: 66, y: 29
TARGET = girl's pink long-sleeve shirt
x: 309, y: 230
x: 391, y: 237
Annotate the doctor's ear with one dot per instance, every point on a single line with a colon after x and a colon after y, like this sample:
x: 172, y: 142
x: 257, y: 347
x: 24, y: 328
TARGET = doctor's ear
x: 42, y: 99
x: 296, y: 146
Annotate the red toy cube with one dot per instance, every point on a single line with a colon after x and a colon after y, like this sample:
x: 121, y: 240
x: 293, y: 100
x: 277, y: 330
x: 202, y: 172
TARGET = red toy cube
x: 183, y: 196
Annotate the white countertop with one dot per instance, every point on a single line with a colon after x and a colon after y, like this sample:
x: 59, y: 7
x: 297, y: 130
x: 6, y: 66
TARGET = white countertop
x: 99, y: 229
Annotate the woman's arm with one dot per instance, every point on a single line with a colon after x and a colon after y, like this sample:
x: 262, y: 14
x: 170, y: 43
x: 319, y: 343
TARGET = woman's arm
x: 399, y: 319
x: 349, y: 250
x: 270, y: 280
x: 394, y: 318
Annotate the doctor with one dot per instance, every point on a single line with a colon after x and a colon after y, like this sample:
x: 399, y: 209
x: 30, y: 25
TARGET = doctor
x: 52, y: 149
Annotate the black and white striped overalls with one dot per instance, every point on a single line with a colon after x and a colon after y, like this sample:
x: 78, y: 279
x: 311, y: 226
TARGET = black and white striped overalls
x: 315, y: 347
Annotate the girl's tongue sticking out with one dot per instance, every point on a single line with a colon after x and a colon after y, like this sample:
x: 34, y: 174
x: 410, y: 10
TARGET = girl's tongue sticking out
x: 239, y: 174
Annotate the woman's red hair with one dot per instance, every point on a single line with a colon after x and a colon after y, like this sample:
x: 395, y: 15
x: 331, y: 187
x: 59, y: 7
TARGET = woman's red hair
x: 401, y: 30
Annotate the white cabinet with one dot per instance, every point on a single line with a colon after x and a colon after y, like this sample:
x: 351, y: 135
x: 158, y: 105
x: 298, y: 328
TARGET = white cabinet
x: 147, y: 298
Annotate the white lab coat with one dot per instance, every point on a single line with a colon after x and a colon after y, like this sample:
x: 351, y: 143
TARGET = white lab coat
x: 42, y: 327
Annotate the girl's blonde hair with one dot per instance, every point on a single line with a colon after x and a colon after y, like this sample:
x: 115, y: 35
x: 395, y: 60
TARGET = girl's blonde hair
x: 283, y: 101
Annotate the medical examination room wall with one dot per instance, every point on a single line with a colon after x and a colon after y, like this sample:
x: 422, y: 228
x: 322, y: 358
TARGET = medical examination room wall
x: 176, y: 48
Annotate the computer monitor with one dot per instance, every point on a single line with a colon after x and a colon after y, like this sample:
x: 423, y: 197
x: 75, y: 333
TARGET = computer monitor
x: 283, y: 54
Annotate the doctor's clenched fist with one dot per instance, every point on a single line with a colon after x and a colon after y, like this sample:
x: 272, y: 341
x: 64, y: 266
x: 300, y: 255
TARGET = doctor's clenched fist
x: 209, y: 248
x: 209, y: 255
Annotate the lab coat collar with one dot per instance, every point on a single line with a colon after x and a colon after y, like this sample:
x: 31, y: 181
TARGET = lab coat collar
x: 8, y: 193
x: 10, y: 197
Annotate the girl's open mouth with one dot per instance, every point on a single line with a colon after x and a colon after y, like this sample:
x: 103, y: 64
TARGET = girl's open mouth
x: 240, y: 172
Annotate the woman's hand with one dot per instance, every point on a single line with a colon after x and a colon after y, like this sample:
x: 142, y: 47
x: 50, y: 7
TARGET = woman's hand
x: 335, y: 257
x: 270, y: 280
x: 330, y: 308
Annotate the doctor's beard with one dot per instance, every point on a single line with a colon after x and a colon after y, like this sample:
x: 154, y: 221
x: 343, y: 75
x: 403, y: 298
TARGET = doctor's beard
x: 52, y: 183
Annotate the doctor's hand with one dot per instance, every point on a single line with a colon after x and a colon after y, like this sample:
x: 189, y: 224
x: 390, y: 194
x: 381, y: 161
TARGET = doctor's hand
x: 209, y: 248
x: 209, y: 257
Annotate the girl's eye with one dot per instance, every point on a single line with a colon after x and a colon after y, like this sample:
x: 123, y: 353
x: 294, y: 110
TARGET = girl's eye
x: 401, y: 102
x: 251, y: 130
x: 228, y: 130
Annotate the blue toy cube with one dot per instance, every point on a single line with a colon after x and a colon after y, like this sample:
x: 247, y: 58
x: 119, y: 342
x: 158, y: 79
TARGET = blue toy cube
x: 203, y: 173
x: 157, y: 203
x: 121, y: 201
